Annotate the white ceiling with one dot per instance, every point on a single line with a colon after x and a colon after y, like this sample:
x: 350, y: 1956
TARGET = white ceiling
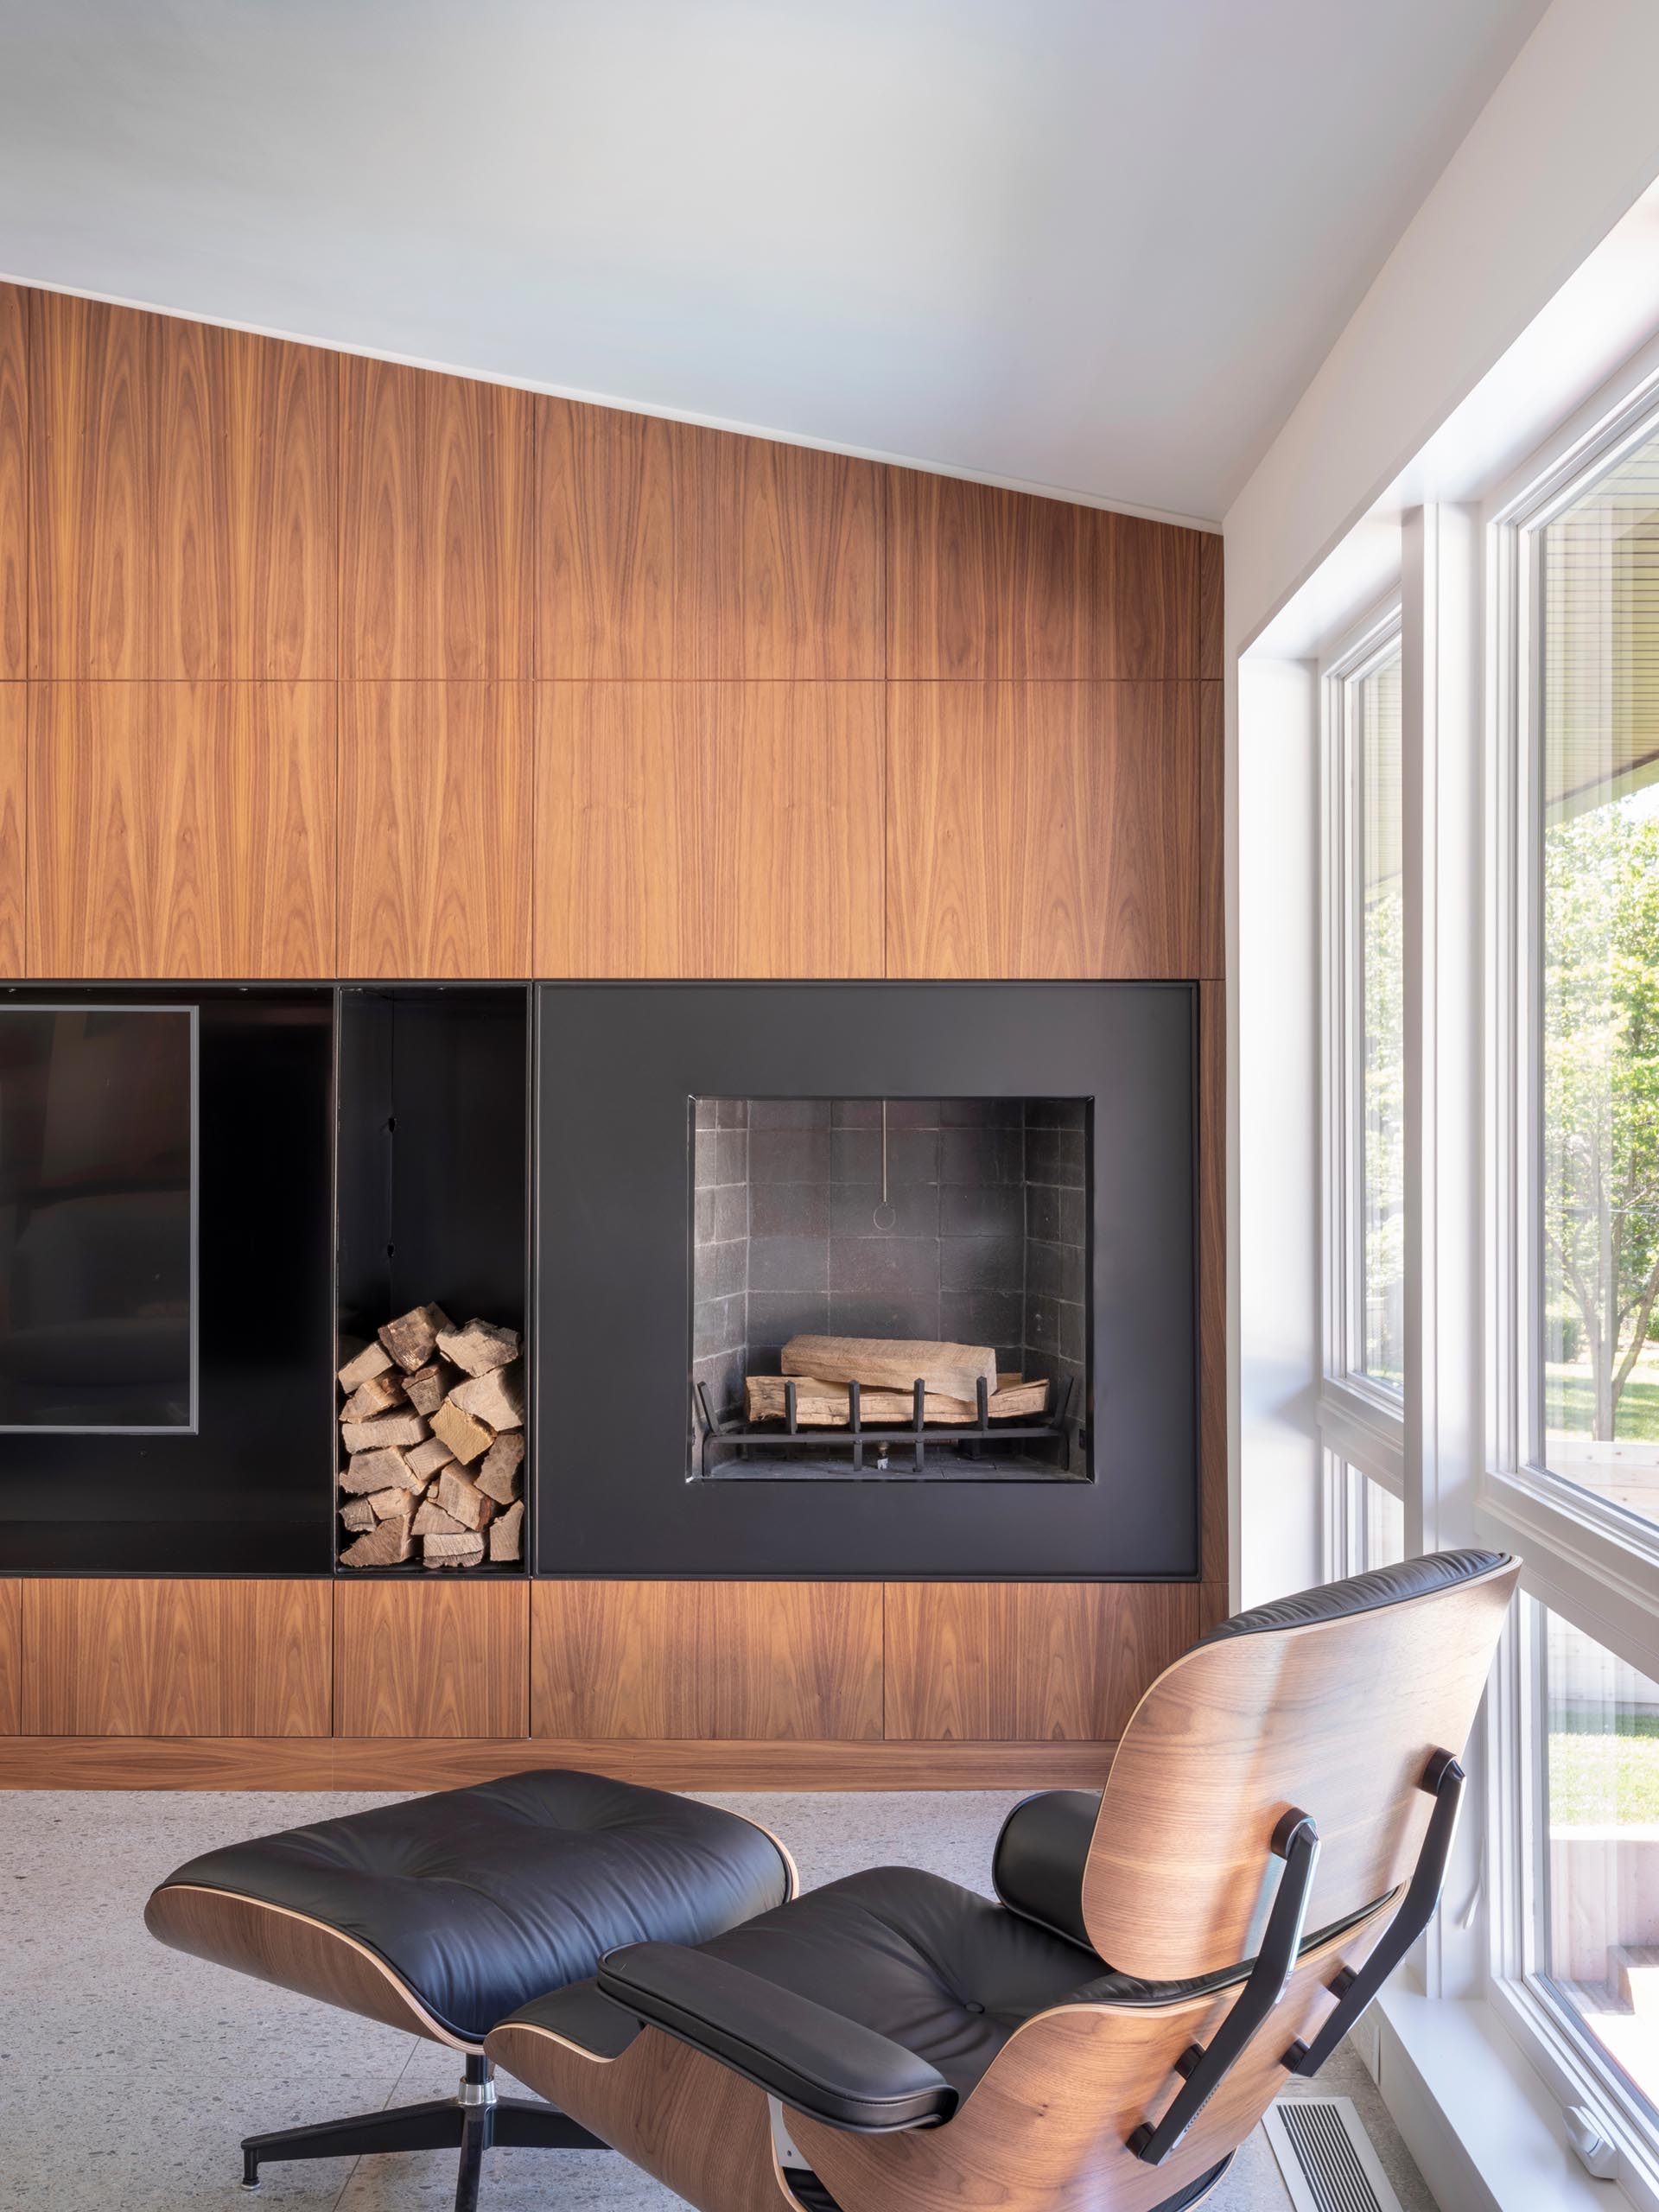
x: 1094, y: 245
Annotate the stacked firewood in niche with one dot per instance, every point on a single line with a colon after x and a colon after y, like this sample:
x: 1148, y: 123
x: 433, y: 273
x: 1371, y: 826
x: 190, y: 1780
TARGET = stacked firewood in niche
x: 433, y: 1427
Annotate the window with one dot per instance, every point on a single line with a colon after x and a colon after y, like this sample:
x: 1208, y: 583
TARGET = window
x: 1597, y: 856
x: 1595, y: 1941
x: 1368, y: 1520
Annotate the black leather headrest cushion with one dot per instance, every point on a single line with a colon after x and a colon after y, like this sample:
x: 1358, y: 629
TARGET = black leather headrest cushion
x: 1361, y: 1594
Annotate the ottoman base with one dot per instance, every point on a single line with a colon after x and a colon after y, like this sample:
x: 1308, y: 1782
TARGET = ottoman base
x: 470, y: 2122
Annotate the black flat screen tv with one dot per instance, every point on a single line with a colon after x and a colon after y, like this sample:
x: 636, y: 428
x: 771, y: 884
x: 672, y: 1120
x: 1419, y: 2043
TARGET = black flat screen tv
x: 98, y: 1217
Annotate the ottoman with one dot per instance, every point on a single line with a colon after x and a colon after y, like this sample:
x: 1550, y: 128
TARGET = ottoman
x: 445, y: 1914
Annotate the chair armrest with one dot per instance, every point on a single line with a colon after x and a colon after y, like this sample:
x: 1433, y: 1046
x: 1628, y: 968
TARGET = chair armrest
x: 830, y: 2067
x: 1036, y: 1867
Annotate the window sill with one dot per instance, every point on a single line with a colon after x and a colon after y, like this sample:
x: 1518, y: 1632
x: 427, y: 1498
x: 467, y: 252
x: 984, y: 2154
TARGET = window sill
x: 1600, y: 1576
x: 1484, y: 2127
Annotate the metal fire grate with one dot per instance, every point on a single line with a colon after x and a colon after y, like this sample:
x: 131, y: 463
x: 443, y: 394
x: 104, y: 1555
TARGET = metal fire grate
x: 1326, y: 2156
x: 913, y: 1448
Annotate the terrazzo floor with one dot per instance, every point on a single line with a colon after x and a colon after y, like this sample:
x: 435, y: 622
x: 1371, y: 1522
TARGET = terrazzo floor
x: 129, y: 2073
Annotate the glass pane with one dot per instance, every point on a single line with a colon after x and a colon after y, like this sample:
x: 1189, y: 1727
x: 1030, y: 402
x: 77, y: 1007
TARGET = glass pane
x: 1385, y: 1527
x: 1602, y: 1939
x: 1599, y: 1009
x: 1375, y: 700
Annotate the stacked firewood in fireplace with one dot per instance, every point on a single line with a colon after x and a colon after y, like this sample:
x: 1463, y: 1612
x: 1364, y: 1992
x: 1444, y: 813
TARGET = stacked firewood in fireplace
x: 433, y: 1427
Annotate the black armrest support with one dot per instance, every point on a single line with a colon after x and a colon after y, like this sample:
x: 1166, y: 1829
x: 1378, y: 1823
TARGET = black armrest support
x: 831, y: 2069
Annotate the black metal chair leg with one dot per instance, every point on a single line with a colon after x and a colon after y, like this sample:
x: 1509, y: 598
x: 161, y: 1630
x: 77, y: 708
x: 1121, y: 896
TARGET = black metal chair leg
x: 477, y: 2134
x: 523, y: 2124
x: 434, y: 2126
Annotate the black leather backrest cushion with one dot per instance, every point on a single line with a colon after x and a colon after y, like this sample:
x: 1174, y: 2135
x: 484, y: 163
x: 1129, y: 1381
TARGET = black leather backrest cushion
x: 1360, y: 1593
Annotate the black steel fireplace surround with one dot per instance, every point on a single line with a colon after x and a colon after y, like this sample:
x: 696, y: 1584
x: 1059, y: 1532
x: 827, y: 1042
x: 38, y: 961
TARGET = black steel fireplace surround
x: 664, y: 1186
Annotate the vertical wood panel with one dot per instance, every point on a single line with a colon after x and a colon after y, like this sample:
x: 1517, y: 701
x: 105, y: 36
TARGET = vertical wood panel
x: 181, y: 830
x: 1212, y: 833
x: 11, y: 1655
x: 666, y: 550
x: 1212, y: 1282
x: 787, y: 1659
x: 1211, y: 570
x: 435, y: 1657
x: 184, y: 514
x: 617, y: 1659
x: 987, y: 584
x: 435, y: 828
x: 1043, y: 829
x: 117, y: 1657
x: 14, y: 786
x: 435, y: 561
x: 14, y: 483
x: 1027, y: 1661
x: 708, y: 829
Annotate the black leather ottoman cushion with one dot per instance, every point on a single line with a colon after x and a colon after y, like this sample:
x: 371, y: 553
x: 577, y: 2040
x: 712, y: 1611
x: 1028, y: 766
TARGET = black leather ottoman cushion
x: 480, y: 1898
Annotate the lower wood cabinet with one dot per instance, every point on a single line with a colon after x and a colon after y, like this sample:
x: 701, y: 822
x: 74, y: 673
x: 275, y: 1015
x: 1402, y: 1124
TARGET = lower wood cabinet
x: 11, y: 1657
x: 724, y: 1661
x: 436, y: 1657
x: 175, y: 1657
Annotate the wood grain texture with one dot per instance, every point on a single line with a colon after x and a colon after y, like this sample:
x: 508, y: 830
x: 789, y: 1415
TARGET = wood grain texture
x: 1213, y: 1471
x: 1212, y: 833
x: 667, y: 550
x: 160, y: 1658
x: 14, y: 483
x: 437, y: 525
x: 291, y: 1951
x: 1338, y: 1718
x: 1043, y: 829
x: 14, y: 830
x: 1211, y: 577
x: 986, y: 584
x: 708, y: 829
x: 11, y: 1655
x: 437, y: 1657
x: 984, y: 1661
x: 435, y: 830
x: 181, y: 830
x: 448, y: 1762
x: 184, y: 510
x: 726, y: 1661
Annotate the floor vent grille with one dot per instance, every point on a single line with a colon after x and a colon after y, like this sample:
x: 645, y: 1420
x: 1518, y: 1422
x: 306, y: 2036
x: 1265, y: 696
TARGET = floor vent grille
x: 1326, y: 2156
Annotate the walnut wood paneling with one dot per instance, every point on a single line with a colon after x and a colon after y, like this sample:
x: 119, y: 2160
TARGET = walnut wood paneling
x: 181, y: 830
x: 184, y: 510
x: 13, y: 815
x: 983, y: 584
x: 666, y: 550
x: 1212, y: 833
x: 11, y: 1657
x: 1210, y: 573
x: 1212, y: 1283
x: 1043, y: 829
x: 708, y: 829
x: 720, y: 1660
x: 441, y: 1656
x: 120, y: 1657
x: 14, y: 483
x: 435, y: 828
x: 435, y: 561
x: 989, y: 1661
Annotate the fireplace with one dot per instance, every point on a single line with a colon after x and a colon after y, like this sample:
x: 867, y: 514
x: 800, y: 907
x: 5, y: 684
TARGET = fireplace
x: 974, y: 1202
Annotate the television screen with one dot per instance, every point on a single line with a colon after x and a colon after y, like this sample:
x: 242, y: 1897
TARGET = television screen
x: 97, y: 1232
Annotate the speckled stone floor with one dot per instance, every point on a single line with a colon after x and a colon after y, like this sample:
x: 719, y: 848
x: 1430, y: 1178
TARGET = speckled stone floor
x: 129, y: 2073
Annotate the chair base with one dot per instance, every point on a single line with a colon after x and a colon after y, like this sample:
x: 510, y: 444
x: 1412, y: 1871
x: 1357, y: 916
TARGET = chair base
x: 470, y: 2122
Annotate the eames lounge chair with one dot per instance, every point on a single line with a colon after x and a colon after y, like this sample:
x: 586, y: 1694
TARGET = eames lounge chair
x: 1102, y: 2039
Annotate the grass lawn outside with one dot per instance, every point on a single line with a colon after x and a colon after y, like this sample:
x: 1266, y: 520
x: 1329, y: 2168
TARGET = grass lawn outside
x: 1605, y: 1778
x: 1569, y: 1402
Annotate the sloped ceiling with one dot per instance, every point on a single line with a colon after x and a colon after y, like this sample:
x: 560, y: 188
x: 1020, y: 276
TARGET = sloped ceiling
x: 1093, y: 245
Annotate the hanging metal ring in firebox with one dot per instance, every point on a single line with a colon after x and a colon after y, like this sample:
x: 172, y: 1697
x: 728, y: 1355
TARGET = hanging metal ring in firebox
x: 884, y: 1216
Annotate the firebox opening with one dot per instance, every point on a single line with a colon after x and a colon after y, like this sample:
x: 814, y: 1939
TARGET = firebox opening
x: 874, y: 1237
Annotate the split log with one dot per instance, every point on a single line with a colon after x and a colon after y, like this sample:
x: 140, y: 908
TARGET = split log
x: 480, y: 1347
x: 463, y: 1550
x: 893, y: 1363
x: 497, y: 1397
x: 401, y: 1429
x: 462, y: 1500
x: 426, y: 1458
x: 366, y: 1360
x: 411, y: 1337
x: 498, y: 1473
x: 378, y: 1395
x: 466, y: 1438
x: 389, y: 1543
x: 432, y: 1521
x: 828, y: 1405
x: 507, y: 1533
x: 357, y: 1516
x: 395, y: 1500
x: 367, y: 1472
x: 428, y: 1386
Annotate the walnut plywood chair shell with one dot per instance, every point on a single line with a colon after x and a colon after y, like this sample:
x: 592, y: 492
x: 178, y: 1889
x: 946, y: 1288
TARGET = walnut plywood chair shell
x: 1101, y: 2037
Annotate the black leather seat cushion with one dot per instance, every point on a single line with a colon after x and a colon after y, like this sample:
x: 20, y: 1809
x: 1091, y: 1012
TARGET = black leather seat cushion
x: 1036, y: 1866
x: 480, y: 1898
